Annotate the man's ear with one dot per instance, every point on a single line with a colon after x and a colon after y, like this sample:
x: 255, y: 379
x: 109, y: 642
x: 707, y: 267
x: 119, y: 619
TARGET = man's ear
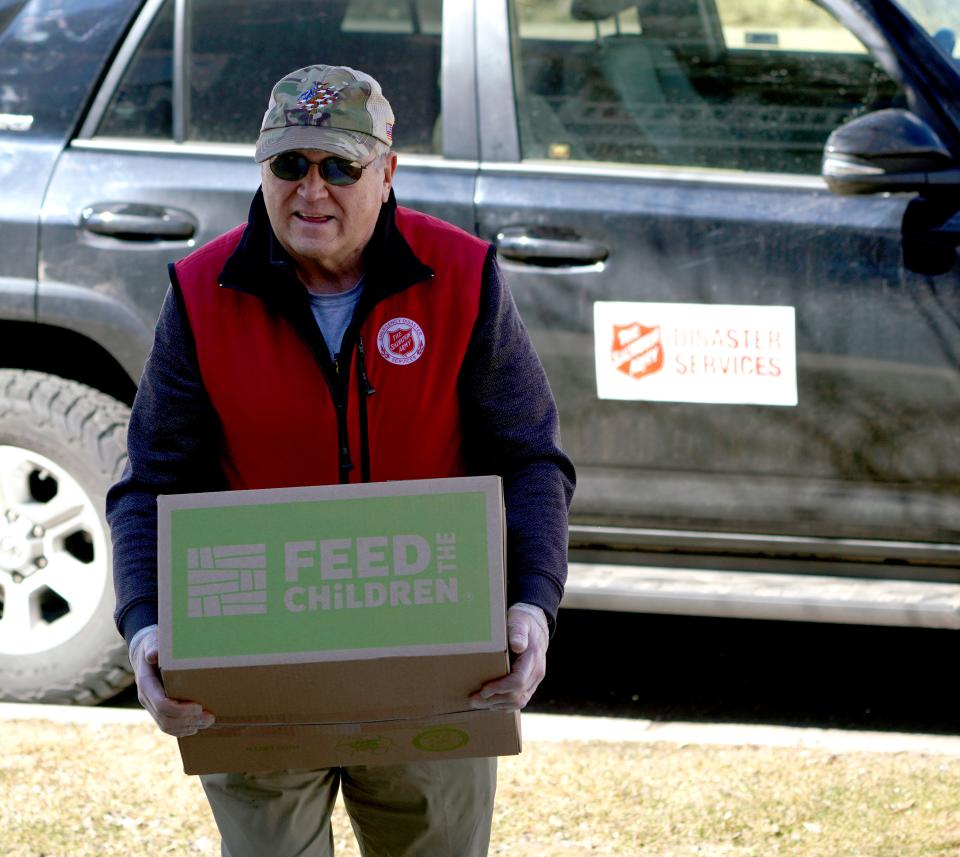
x: 389, y: 168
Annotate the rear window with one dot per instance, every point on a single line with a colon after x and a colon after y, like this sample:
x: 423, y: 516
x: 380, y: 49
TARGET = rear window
x: 237, y: 49
x: 51, y: 53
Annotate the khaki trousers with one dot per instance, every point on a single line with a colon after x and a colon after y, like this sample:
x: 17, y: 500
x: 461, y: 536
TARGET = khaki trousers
x: 427, y: 809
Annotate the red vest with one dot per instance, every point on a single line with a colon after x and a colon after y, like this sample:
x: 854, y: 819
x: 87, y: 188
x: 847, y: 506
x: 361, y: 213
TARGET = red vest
x: 279, y: 423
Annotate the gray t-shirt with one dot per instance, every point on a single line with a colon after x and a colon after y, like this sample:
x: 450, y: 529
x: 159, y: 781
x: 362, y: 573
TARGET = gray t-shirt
x: 333, y: 314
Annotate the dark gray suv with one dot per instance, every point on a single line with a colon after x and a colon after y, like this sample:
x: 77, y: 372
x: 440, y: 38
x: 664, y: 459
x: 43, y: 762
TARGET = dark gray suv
x: 730, y: 225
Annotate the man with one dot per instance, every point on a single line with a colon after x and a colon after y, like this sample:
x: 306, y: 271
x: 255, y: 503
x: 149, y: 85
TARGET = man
x: 336, y: 337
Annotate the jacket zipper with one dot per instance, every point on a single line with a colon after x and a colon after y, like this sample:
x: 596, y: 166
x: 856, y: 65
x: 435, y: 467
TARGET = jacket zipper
x: 345, y: 464
x: 365, y: 389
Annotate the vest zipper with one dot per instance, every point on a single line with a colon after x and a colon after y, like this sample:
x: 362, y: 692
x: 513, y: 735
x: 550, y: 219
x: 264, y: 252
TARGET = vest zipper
x: 365, y: 389
x: 340, y: 404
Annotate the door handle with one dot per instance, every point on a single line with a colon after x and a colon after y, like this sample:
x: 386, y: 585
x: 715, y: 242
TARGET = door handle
x: 549, y: 248
x: 131, y: 221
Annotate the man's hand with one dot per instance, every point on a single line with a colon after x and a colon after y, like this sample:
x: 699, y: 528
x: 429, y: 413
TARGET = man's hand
x: 175, y: 718
x: 528, y: 636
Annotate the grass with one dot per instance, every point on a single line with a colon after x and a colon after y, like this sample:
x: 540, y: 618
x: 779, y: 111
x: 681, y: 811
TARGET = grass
x: 78, y: 791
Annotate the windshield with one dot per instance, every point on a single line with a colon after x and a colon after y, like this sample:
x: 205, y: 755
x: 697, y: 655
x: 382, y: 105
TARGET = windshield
x: 941, y: 19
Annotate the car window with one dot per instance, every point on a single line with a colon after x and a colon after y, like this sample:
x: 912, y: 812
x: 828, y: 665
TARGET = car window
x: 142, y: 106
x: 239, y: 48
x: 735, y: 84
x: 51, y: 54
x: 941, y: 19
x: 384, y: 16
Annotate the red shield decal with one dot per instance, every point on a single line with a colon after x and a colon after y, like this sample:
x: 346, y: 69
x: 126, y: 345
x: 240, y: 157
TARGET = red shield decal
x: 401, y: 341
x: 637, y: 350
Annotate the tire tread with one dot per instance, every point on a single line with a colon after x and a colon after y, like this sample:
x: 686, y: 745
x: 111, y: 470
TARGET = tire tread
x: 96, y: 422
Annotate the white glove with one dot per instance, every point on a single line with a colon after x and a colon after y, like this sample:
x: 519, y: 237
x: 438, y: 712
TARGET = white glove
x: 528, y: 636
x: 173, y: 717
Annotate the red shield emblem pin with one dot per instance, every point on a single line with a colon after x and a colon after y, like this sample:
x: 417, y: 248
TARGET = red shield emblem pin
x: 637, y: 350
x: 401, y: 341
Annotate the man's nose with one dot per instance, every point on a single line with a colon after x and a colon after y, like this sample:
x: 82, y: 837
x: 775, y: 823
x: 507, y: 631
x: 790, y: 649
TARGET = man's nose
x: 313, y: 183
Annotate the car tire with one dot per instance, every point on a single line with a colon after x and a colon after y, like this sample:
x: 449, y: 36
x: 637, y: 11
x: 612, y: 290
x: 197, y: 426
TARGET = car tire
x: 61, y: 446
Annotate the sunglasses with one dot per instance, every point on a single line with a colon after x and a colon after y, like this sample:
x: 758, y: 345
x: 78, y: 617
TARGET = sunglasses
x: 341, y: 172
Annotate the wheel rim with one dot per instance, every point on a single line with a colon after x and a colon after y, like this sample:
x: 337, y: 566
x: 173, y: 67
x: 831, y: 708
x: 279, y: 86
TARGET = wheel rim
x: 53, y: 554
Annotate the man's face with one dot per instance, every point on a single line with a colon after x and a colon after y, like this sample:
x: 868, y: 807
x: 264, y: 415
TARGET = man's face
x: 325, y: 227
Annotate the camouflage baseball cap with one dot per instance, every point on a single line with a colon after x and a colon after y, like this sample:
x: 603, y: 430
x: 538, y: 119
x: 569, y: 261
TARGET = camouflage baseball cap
x: 333, y: 108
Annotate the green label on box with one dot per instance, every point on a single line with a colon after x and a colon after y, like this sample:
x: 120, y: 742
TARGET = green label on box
x: 329, y: 575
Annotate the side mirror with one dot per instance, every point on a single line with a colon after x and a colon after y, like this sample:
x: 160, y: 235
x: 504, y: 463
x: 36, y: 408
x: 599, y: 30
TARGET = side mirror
x: 889, y: 151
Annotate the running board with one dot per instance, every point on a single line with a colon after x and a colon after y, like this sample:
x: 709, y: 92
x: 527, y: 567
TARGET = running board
x: 755, y: 595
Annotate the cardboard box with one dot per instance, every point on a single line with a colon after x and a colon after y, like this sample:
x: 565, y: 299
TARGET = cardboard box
x: 336, y: 625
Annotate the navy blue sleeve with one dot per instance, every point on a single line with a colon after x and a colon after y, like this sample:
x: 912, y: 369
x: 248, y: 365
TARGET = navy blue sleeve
x: 511, y: 428
x: 172, y: 444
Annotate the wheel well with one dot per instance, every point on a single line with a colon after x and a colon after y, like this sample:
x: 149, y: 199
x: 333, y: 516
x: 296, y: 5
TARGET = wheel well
x: 63, y: 352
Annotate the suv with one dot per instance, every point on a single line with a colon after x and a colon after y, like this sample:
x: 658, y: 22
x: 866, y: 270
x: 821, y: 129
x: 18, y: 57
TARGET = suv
x: 754, y: 344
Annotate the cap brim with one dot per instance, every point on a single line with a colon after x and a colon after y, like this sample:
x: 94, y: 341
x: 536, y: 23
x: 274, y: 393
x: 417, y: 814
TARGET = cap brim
x: 336, y: 141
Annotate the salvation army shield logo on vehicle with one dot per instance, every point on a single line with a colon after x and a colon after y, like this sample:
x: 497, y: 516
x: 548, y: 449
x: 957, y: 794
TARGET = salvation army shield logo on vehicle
x: 401, y: 341
x: 637, y: 350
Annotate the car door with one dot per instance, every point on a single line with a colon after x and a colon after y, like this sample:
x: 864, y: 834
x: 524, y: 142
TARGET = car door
x: 744, y: 363
x: 164, y: 159
x: 39, y: 103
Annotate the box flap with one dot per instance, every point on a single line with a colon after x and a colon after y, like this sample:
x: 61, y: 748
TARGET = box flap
x: 338, y: 691
x: 269, y: 748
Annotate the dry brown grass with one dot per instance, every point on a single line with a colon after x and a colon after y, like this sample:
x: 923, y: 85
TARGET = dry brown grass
x: 79, y: 791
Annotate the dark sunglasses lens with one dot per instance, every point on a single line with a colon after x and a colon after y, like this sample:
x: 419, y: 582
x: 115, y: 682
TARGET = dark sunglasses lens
x: 340, y: 171
x: 289, y: 166
x: 292, y: 167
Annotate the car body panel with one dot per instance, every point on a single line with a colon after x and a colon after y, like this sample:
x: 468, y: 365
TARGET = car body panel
x: 50, y: 59
x: 24, y: 170
x: 858, y: 479
x: 880, y: 463
x: 823, y: 468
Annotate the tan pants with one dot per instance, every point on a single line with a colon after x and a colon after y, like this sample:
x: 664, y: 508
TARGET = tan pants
x: 428, y: 809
